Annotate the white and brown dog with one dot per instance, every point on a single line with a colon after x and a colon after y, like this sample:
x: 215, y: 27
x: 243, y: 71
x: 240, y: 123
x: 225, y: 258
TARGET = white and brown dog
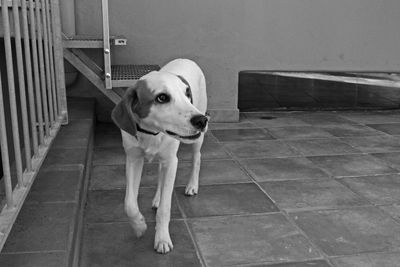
x: 164, y: 108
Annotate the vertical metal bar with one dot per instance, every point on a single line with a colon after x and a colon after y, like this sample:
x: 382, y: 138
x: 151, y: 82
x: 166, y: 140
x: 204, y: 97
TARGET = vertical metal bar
x: 36, y: 71
x: 4, y: 151
x: 47, y: 60
x: 21, y: 84
x: 11, y: 89
x: 42, y: 70
x: 59, y: 60
x: 29, y: 79
x: 106, y: 45
x: 53, y: 82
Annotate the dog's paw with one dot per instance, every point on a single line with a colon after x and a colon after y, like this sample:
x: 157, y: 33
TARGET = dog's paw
x: 163, y: 245
x: 139, y: 226
x: 191, y: 189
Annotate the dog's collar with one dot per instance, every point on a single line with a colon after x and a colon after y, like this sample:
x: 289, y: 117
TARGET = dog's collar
x: 139, y: 129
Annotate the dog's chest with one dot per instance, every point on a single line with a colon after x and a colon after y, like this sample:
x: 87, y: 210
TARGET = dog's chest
x: 151, y: 148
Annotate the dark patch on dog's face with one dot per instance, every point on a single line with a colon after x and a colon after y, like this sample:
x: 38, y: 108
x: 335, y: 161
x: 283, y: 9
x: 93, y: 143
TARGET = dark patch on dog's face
x: 135, y: 104
x: 145, y: 99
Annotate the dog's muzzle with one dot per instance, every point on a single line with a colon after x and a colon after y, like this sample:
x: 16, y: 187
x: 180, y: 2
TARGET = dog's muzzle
x: 199, y: 122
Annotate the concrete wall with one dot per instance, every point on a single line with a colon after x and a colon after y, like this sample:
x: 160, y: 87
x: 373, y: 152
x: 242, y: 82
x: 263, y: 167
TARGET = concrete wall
x: 227, y: 36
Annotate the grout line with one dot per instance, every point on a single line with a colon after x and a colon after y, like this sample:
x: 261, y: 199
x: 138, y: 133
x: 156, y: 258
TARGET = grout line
x: 34, y: 252
x: 77, y: 240
x: 190, y: 232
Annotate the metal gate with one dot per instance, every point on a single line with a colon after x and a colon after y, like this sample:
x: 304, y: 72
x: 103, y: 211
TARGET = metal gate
x: 32, y: 97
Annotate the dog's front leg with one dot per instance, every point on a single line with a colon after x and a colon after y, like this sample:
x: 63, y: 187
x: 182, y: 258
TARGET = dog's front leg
x: 134, y: 167
x: 192, y: 188
x: 162, y: 241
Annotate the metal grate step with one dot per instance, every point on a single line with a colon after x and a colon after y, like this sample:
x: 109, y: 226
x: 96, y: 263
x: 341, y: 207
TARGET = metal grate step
x: 126, y: 75
x: 90, y: 41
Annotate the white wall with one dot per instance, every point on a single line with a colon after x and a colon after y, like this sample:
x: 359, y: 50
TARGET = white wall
x: 227, y: 36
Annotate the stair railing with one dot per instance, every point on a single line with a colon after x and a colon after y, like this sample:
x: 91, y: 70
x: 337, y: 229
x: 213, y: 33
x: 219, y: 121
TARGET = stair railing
x: 32, y: 109
x: 106, y: 44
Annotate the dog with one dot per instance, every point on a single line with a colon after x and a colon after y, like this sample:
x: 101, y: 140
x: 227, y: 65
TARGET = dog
x: 163, y: 109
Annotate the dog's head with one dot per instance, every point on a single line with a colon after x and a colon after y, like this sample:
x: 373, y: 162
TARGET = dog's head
x: 160, y: 102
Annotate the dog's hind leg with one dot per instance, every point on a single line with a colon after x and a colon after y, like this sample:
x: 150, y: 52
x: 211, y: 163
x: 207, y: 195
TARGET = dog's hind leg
x: 192, y: 187
x: 134, y: 167
x: 156, y: 199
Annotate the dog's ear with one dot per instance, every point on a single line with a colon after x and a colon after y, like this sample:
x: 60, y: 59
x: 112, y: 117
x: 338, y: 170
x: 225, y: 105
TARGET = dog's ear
x: 122, y: 114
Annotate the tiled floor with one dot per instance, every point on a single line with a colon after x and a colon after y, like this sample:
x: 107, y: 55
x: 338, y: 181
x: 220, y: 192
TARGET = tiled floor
x: 43, y: 233
x: 277, y: 189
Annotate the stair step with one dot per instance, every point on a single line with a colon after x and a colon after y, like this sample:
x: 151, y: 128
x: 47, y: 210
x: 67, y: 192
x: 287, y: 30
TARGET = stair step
x: 127, y: 75
x: 90, y: 41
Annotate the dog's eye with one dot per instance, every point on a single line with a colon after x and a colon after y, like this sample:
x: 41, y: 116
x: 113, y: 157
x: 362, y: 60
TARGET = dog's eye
x: 188, y: 93
x: 162, y: 98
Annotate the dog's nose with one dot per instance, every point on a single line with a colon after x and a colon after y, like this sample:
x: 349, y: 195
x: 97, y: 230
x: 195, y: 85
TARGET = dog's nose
x: 199, y: 121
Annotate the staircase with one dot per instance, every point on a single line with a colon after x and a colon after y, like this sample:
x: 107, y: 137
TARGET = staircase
x: 109, y: 79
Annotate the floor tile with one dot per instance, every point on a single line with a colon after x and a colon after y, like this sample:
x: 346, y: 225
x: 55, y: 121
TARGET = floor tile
x: 264, y: 115
x: 272, y: 121
x: 314, y: 147
x: 350, y: 231
x: 81, y: 109
x: 323, y: 118
x: 209, y: 150
x: 352, y: 165
x: 108, y: 177
x: 311, y: 194
x: 374, y: 144
x: 382, y: 189
x: 282, y: 169
x: 350, y: 130
x: 259, y: 149
x: 368, y: 260
x: 64, y: 156
x: 298, y: 132
x: 41, y: 227
x: 389, y: 128
x: 77, y: 128
x: 108, y: 156
x: 227, y: 135
x: 108, y: 140
x: 372, y: 117
x: 314, y: 263
x: 225, y: 200
x: 108, y: 206
x: 64, y: 141
x: 392, y: 210
x: 76, y: 134
x: 53, y: 186
x: 115, y: 245
x: 231, y: 125
x: 212, y: 172
x: 391, y: 158
x: 107, y: 128
x: 50, y: 259
x: 225, y: 241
